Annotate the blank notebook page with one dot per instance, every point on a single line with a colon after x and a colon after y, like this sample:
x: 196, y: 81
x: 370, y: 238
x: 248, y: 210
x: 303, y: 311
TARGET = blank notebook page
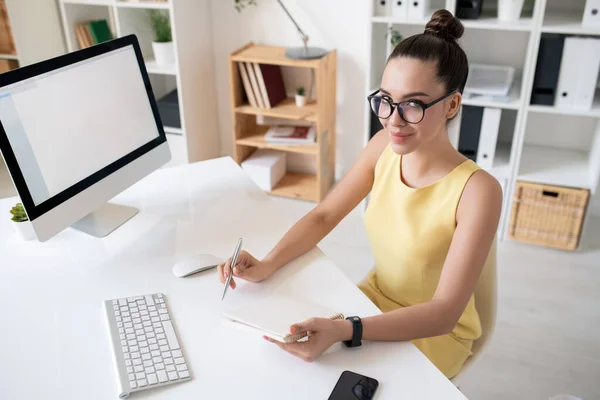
x: 273, y: 315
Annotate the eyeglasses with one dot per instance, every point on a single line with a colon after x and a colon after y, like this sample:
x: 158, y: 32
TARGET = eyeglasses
x: 411, y: 111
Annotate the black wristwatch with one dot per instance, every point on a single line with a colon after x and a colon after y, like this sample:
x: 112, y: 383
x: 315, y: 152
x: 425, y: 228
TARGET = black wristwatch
x: 357, y: 331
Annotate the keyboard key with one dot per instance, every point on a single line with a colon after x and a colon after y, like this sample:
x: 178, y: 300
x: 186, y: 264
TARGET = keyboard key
x: 173, y: 376
x: 149, y: 300
x: 152, y: 308
x: 131, y: 377
x: 184, y: 374
x: 171, y: 337
x: 152, y: 341
x: 152, y: 379
x: 126, y: 319
x: 115, y: 302
x: 166, y: 354
x: 143, y: 343
x: 119, y: 324
x: 136, y: 319
x: 142, y: 383
x: 129, y: 330
x: 145, y: 318
x: 180, y: 367
x: 125, y: 314
x: 137, y: 361
x: 168, y: 362
x: 130, y: 336
x: 159, y: 366
x: 138, y: 326
x: 161, y: 301
x: 126, y: 349
x: 131, y: 299
x: 170, y: 368
x: 155, y: 319
x: 177, y: 353
x: 128, y: 325
x: 122, y: 302
x: 157, y: 360
x: 132, y: 342
x: 135, y: 315
x: 144, y: 313
x: 135, y: 348
x: 164, y: 348
x: 142, y: 338
x: 153, y: 314
x: 122, y: 336
x: 148, y: 363
x: 162, y: 339
x: 153, y: 347
x: 157, y: 323
x: 146, y: 356
x: 123, y: 342
x: 159, y: 330
x: 140, y: 375
x: 164, y: 317
x: 162, y: 376
x: 162, y: 311
x: 159, y: 295
x: 135, y: 355
x: 139, y: 332
x: 133, y: 384
x: 147, y: 324
x: 138, y: 368
x: 179, y: 361
x: 121, y: 330
x: 137, y: 298
x: 130, y: 371
x: 150, y: 335
x: 148, y: 329
x: 155, y: 353
x: 134, y: 309
x: 126, y: 356
x: 142, y: 306
x: 128, y: 363
x: 145, y: 350
x: 149, y: 370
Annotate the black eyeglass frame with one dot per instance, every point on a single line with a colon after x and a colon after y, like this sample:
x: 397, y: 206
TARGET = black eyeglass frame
x: 423, y: 105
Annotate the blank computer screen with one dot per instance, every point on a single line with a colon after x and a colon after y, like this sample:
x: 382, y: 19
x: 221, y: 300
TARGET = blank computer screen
x: 69, y: 123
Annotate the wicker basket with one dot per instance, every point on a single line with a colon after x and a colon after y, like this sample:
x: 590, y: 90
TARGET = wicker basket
x: 548, y: 215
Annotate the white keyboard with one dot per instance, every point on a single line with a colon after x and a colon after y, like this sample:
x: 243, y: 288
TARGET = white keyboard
x: 145, y: 346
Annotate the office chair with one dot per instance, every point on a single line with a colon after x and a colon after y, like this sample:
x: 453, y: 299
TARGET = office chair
x: 486, y: 304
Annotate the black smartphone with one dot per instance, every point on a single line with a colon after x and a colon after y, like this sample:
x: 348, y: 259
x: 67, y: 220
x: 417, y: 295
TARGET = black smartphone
x: 353, y: 386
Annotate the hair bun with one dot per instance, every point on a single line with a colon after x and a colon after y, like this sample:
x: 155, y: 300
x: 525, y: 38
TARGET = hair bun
x: 444, y: 25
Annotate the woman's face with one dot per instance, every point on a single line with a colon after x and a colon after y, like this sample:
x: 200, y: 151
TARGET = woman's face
x: 411, y: 79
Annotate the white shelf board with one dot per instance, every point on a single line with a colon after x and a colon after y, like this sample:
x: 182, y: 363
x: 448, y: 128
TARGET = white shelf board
x: 9, y: 57
x: 553, y: 166
x: 395, y: 20
x: 144, y: 4
x: 501, y: 168
x: 89, y: 2
x: 594, y: 112
x: 493, y: 23
x: 170, y: 129
x: 153, y: 68
x: 568, y: 24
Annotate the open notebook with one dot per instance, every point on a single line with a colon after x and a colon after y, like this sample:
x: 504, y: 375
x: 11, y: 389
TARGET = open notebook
x: 273, y: 316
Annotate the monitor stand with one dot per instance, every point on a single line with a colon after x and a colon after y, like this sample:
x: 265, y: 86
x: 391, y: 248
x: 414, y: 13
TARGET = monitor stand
x: 105, y: 219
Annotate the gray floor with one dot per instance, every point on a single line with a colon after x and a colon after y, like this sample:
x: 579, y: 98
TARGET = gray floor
x: 547, y: 338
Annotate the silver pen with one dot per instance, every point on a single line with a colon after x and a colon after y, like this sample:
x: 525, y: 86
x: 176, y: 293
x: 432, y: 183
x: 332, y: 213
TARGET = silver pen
x: 236, y: 253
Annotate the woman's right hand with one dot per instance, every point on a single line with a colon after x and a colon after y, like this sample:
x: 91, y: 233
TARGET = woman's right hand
x: 247, y: 267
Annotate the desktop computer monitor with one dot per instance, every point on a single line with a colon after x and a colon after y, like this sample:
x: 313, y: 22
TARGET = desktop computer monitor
x: 77, y: 130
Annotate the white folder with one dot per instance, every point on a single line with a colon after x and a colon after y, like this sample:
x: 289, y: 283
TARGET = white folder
x: 587, y: 77
x: 573, y: 51
x: 488, y: 137
x: 400, y: 9
x: 418, y: 9
x: 591, y: 15
x: 383, y: 8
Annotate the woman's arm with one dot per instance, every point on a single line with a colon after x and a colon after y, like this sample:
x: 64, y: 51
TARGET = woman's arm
x: 477, y: 218
x: 313, y: 227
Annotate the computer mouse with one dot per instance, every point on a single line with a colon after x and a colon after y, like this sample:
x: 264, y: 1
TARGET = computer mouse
x: 193, y: 265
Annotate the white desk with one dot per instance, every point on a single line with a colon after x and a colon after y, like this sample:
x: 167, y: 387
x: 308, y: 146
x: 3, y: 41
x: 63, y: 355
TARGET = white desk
x: 54, y: 342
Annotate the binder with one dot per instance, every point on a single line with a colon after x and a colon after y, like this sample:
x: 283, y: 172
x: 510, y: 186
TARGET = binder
x: 254, y: 84
x: 468, y: 9
x: 488, y: 137
x: 400, y: 9
x: 418, y: 9
x: 547, y: 69
x: 247, y: 85
x: 591, y: 14
x: 470, y: 130
x: 569, y: 69
x: 588, y: 75
x: 383, y: 8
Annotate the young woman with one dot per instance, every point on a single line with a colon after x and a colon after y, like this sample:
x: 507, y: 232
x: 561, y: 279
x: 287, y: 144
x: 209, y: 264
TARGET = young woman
x: 432, y: 214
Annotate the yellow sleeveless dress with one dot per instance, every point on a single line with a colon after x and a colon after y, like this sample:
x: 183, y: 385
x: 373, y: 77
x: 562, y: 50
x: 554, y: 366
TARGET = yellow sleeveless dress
x: 410, y: 231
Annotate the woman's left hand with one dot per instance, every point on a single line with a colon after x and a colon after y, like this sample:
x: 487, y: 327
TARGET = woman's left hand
x: 322, y: 334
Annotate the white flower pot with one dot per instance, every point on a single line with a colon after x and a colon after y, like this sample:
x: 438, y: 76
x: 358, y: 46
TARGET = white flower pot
x: 509, y: 10
x: 164, y: 53
x: 300, y: 100
x: 24, y: 230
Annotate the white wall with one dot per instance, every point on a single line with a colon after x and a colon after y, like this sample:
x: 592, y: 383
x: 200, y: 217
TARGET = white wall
x: 333, y: 24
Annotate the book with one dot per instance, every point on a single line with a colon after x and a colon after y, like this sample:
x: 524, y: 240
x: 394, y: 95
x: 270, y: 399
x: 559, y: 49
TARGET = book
x: 254, y: 83
x: 273, y: 316
x: 299, y: 135
x: 247, y: 85
x: 100, y: 31
x: 270, y: 82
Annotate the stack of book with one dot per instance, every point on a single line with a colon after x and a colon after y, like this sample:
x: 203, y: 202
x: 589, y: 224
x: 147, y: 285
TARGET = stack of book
x: 291, y: 135
x: 263, y: 84
x: 92, y: 32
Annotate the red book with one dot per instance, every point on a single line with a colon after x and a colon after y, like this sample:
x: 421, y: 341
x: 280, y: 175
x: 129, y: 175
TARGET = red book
x: 270, y: 80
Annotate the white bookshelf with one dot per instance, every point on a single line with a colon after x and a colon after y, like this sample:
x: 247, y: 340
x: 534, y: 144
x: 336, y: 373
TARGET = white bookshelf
x: 191, y: 73
x: 537, y: 143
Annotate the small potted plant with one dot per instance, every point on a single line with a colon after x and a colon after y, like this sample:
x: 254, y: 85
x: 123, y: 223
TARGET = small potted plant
x: 300, y: 96
x: 162, y: 46
x: 21, y: 222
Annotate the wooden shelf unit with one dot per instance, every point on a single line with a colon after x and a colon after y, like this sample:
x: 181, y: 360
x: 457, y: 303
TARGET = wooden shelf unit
x: 249, y: 136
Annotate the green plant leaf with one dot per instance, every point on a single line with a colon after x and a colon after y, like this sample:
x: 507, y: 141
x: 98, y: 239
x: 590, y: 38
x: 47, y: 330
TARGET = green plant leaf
x: 161, y: 25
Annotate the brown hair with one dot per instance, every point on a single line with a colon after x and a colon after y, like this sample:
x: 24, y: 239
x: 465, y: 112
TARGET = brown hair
x: 438, y: 43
